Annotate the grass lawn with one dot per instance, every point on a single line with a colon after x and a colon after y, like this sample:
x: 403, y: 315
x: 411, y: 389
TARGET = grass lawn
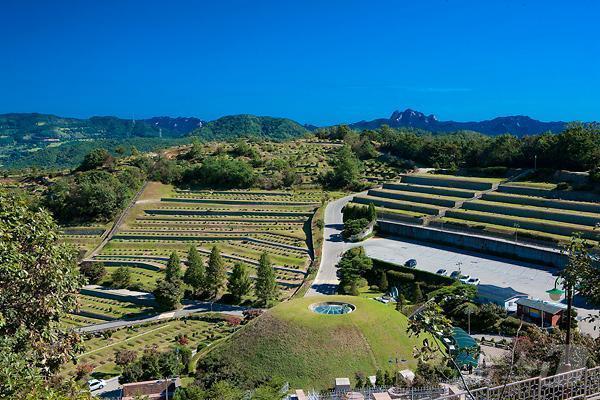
x: 310, y: 350
x: 534, y: 185
x: 461, y: 178
x: 99, y: 351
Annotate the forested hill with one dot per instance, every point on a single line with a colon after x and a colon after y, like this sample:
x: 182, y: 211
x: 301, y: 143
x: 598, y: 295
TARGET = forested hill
x: 250, y: 126
x: 19, y: 128
x: 518, y: 125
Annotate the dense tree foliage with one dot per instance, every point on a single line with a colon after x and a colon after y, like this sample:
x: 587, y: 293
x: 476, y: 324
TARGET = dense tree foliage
x: 346, y: 169
x: 92, y: 195
x: 95, y: 159
x: 38, y: 283
x: 154, y: 365
x: 215, y: 277
x: 168, y: 294
x: 221, y: 171
x: 250, y: 126
x: 195, y: 272
x: 576, y: 148
x: 173, y: 270
x: 239, y: 284
x: 265, y: 286
x: 352, y: 269
x: 93, y: 271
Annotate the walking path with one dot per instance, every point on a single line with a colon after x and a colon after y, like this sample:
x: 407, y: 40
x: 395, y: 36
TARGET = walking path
x: 189, y: 307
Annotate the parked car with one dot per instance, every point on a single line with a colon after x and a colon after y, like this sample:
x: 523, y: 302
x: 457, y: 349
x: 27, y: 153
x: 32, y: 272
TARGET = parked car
x: 412, y: 263
x: 441, y: 271
x: 464, y: 278
x: 455, y: 274
x: 96, y: 384
x: 473, y: 281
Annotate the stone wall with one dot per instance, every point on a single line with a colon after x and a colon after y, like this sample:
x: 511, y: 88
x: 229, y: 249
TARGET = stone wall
x: 475, y: 243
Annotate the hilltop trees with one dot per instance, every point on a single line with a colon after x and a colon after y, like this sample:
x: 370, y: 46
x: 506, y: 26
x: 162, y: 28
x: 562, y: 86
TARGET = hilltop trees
x: 94, y: 195
x: 121, y: 278
x: 38, y: 284
x: 346, y: 169
x: 265, y: 286
x: 173, y: 270
x: 214, y: 280
x: 169, y: 291
x: 93, y: 271
x: 96, y: 159
x: 195, y: 273
x: 352, y: 268
x: 239, y: 284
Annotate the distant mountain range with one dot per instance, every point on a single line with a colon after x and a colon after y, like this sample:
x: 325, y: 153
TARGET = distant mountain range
x: 32, y: 128
x: 35, y: 128
x: 518, y: 125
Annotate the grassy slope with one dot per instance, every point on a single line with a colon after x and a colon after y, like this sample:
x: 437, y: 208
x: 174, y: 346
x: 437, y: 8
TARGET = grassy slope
x: 311, y: 350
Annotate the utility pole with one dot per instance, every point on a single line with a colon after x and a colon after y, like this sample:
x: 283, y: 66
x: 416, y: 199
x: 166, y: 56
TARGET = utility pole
x: 535, y: 162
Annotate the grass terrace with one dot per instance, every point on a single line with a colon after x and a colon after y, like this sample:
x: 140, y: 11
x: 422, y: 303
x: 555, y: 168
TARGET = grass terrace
x: 108, y: 309
x: 243, y: 223
x: 100, y: 350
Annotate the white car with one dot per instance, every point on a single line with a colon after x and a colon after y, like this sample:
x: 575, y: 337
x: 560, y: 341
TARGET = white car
x: 464, y: 278
x: 95, y: 384
x: 473, y: 281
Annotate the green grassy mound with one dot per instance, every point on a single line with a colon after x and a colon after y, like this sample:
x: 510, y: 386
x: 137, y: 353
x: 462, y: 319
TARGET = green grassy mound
x: 310, y: 350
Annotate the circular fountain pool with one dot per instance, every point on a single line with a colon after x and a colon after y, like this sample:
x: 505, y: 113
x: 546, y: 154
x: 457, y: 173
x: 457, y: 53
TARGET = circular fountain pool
x: 332, y: 308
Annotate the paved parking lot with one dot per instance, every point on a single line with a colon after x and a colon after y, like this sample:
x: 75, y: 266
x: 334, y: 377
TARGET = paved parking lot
x: 524, y: 277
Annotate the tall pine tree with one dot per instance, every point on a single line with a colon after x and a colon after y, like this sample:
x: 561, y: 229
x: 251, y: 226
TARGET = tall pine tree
x: 239, y: 284
x: 214, y: 279
x: 173, y: 271
x: 265, y: 286
x: 194, y: 275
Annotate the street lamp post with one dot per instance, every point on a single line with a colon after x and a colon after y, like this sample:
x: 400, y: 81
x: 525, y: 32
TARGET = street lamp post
x: 555, y: 295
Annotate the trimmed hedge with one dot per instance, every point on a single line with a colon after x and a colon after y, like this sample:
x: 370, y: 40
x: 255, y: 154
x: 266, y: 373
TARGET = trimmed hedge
x: 415, y: 197
x: 396, y: 204
x: 522, y: 211
x: 550, y: 194
x: 542, y: 202
x: 564, y: 230
x: 451, y: 182
x: 442, y: 191
x: 419, y: 275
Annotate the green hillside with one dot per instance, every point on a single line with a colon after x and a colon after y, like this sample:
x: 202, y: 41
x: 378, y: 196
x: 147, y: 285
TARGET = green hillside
x: 310, y: 350
x: 250, y: 126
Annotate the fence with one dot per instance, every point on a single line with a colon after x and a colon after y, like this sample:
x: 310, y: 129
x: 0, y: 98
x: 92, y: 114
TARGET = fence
x: 579, y: 384
x: 424, y: 393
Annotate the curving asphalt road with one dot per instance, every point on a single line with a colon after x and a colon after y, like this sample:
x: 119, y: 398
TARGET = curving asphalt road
x: 326, y: 281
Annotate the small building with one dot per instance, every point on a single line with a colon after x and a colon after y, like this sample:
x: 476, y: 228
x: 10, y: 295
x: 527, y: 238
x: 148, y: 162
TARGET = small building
x: 505, y: 297
x: 381, y: 396
x: 342, y: 384
x: 152, y: 390
x: 542, y: 313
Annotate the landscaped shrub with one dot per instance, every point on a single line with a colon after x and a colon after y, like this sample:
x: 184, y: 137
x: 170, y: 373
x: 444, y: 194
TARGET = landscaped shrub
x: 354, y: 227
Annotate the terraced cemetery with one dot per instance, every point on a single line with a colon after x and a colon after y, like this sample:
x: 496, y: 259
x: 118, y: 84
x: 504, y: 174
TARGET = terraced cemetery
x: 85, y: 238
x: 198, y: 333
x: 242, y: 223
x: 532, y: 212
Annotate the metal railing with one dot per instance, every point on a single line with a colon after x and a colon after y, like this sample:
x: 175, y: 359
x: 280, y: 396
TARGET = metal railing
x: 579, y: 384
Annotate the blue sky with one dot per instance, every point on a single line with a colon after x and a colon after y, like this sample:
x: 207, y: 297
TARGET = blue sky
x: 317, y: 62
